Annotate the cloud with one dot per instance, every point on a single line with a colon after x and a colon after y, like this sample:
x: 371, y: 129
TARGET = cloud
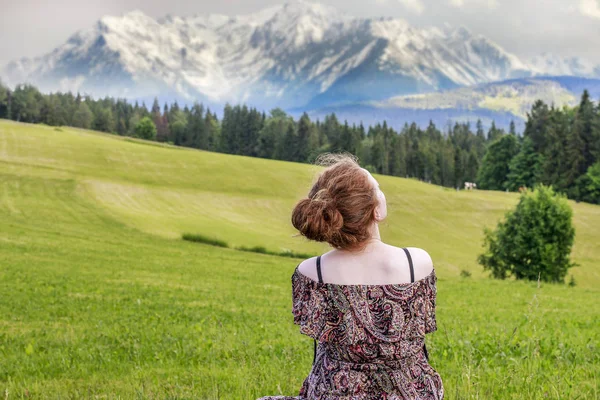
x: 413, y: 5
x: 462, y: 3
x: 590, y: 8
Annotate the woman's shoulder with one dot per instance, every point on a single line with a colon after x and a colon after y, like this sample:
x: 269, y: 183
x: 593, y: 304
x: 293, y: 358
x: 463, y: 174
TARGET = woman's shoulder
x: 308, y: 269
x: 422, y: 262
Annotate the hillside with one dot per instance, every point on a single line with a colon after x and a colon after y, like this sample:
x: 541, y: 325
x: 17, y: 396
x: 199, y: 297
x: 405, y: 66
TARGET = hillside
x: 166, y: 191
x: 99, y: 296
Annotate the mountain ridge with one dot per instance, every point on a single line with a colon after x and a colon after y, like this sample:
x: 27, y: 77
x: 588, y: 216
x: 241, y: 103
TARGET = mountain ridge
x: 298, y: 54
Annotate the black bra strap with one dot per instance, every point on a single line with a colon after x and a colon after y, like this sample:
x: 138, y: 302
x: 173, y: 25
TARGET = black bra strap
x: 410, y: 264
x: 320, y: 281
x: 412, y: 279
x: 319, y: 269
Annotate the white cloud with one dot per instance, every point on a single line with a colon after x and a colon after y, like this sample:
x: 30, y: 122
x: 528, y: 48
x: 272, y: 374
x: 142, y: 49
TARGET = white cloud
x: 462, y: 3
x: 591, y: 8
x: 414, y: 5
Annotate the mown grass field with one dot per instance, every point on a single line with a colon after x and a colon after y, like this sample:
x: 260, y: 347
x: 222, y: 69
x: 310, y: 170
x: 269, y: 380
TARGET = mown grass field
x: 100, y: 297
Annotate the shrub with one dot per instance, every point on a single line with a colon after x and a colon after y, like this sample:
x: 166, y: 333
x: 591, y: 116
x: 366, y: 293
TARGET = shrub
x: 465, y: 274
x: 535, y: 239
x: 194, y: 237
x: 145, y: 129
x: 255, y: 249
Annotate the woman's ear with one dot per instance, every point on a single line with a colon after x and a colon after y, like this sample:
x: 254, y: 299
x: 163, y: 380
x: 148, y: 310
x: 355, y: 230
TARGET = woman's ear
x: 377, y: 215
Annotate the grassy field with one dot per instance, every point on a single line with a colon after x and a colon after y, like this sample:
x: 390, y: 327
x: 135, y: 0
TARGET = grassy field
x: 100, y: 297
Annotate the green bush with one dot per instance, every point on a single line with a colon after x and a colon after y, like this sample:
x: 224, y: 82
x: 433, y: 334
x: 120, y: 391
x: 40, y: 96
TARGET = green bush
x: 255, y: 249
x: 145, y: 129
x: 534, y: 240
x: 194, y: 237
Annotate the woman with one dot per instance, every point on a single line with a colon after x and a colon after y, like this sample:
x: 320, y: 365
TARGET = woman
x: 367, y: 304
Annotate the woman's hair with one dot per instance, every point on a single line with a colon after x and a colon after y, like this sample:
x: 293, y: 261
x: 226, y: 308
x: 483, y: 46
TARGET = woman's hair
x: 340, y: 205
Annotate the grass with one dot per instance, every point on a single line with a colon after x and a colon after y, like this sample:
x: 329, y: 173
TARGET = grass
x: 100, y: 297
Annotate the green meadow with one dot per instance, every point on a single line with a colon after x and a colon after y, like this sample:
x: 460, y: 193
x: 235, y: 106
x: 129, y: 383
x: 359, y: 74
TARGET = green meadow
x: 101, y: 298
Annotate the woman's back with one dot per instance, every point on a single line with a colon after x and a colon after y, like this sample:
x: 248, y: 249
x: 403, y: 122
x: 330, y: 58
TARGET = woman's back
x: 381, y: 264
x: 370, y: 336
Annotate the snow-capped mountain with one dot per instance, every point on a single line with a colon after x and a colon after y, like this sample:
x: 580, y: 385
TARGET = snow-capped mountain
x: 553, y: 65
x: 296, y: 55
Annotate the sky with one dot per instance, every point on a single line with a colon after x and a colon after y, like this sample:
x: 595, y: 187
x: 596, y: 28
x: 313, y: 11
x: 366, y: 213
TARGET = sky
x: 526, y: 28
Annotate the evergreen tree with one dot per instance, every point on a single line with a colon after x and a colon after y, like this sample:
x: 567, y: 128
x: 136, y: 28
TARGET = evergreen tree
x: 512, y: 129
x: 494, y: 133
x: 103, y: 120
x: 304, y: 133
x: 26, y: 103
x: 555, y: 167
x: 4, y: 96
x: 536, y: 127
x: 211, y: 124
x: 290, y: 144
x: 525, y: 168
x: 581, y: 140
x: 178, y: 123
x: 495, y: 164
x: 83, y: 117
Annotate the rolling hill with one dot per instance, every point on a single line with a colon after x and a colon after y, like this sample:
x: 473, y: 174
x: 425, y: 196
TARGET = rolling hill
x: 498, y: 102
x: 99, y: 296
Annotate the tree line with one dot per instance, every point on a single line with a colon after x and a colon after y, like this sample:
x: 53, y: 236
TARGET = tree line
x: 560, y: 147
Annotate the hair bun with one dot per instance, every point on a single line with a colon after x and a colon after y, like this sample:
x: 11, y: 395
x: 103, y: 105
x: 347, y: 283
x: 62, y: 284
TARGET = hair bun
x: 317, y: 218
x: 340, y: 204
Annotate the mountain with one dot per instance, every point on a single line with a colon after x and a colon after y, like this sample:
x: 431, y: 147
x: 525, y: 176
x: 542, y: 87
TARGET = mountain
x: 296, y: 55
x: 551, y: 64
x: 499, y: 102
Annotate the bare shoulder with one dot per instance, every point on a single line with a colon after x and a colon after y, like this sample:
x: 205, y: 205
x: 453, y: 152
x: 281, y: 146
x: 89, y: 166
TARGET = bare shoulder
x: 422, y: 262
x: 308, y: 268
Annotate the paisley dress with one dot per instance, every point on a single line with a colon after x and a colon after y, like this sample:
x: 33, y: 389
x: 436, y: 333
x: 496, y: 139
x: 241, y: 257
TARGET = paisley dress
x: 370, y: 339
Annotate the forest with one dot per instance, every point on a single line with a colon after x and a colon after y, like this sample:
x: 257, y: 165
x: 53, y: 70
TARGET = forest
x: 559, y: 147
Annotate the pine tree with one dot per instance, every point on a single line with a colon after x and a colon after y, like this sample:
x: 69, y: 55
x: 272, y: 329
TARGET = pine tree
x: 83, y: 117
x: 291, y: 144
x: 495, y: 164
x: 581, y: 141
x: 198, y: 133
x: 512, y: 129
x: 3, y: 101
x: 304, y: 132
x: 525, y: 169
x: 494, y: 133
x: 536, y: 127
x: 555, y: 167
x: 103, y: 120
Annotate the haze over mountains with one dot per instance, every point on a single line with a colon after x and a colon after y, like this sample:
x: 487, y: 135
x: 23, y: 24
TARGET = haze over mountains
x: 298, y: 56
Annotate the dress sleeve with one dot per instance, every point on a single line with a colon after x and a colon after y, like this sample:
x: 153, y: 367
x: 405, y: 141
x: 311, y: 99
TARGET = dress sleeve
x: 430, y: 319
x: 307, y: 301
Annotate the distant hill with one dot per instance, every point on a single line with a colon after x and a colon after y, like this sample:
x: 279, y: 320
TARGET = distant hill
x: 501, y: 102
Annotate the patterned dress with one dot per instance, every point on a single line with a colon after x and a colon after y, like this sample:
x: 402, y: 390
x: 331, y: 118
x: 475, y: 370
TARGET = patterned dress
x: 370, y: 339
